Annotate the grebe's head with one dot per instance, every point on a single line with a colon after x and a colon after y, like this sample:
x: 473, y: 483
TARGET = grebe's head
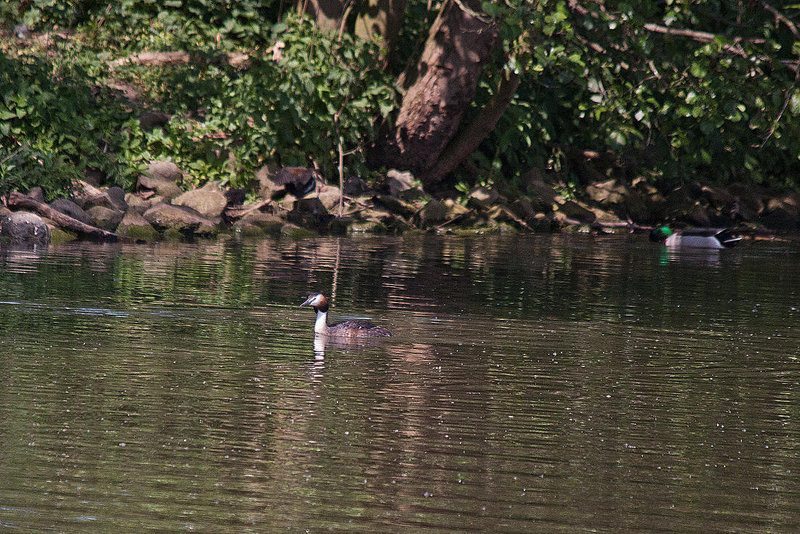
x: 317, y: 301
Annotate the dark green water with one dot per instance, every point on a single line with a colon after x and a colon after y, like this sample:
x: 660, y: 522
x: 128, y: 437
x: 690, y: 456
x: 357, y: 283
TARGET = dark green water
x: 539, y: 384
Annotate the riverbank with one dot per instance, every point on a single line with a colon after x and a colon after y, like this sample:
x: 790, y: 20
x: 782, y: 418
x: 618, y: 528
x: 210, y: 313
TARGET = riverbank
x: 298, y: 202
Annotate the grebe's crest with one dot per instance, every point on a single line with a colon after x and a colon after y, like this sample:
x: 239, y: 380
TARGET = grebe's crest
x: 316, y: 300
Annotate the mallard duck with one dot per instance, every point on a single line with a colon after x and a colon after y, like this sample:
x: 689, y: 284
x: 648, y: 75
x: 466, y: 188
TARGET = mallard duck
x: 298, y: 181
x: 695, y: 237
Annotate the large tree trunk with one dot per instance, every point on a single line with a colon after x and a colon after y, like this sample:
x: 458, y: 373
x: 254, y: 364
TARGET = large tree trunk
x: 382, y: 18
x: 443, y: 86
x: 469, y: 137
x: 327, y: 13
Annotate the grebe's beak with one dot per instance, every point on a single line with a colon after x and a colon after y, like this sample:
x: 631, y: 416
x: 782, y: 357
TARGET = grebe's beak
x: 308, y: 301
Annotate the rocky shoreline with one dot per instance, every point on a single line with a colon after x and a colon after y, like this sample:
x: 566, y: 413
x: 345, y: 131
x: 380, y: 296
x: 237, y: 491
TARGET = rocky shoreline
x: 295, y: 202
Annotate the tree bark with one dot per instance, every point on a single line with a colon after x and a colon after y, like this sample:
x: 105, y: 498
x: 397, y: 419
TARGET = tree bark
x: 443, y: 86
x: 471, y: 136
x: 327, y: 13
x: 382, y: 18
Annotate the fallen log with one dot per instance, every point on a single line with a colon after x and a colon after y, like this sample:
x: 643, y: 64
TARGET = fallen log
x: 168, y: 59
x: 19, y: 201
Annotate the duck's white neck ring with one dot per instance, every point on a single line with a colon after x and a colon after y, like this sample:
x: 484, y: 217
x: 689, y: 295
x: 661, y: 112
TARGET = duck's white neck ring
x: 321, y: 326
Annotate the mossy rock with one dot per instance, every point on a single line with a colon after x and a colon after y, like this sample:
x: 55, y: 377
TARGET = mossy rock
x: 367, y: 227
x: 296, y: 232
x: 173, y: 234
x: 250, y: 231
x: 143, y: 233
x: 58, y: 236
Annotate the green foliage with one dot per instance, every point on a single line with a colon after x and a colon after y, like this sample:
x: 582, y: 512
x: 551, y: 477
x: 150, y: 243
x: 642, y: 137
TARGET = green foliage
x: 228, y: 122
x: 603, y: 76
x: 609, y: 76
x: 53, y: 124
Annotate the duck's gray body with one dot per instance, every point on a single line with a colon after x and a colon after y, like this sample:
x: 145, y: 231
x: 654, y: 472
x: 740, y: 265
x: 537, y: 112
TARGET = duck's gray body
x: 344, y: 329
x: 714, y: 238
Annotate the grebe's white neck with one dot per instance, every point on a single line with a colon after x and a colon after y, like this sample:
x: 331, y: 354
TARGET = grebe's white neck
x: 321, y: 326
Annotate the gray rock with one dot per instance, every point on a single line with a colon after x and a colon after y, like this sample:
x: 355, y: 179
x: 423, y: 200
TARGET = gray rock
x: 161, y: 177
x: 137, y: 203
x: 454, y: 209
x: 329, y: 196
x: 399, y: 181
x: 117, y: 196
x: 68, y: 207
x: 179, y: 218
x: 395, y: 205
x: 309, y: 213
x: 749, y: 202
x: 266, y: 186
x: 542, y: 195
x: 36, y: 193
x: 135, y: 226
x: 523, y: 208
x: 608, y: 192
x: 433, y: 212
x: 22, y: 227
x: 83, y: 191
x: 106, y: 218
x: 782, y: 213
x: 207, y: 202
x: 577, y: 210
x: 164, y: 171
x: 166, y: 190
x: 266, y: 222
x: 482, y: 197
x: 355, y: 186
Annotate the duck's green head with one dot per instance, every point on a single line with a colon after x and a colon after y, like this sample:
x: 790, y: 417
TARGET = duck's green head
x: 660, y: 233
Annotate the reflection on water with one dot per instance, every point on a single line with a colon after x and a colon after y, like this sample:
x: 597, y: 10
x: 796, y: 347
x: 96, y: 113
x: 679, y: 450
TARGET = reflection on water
x: 540, y: 383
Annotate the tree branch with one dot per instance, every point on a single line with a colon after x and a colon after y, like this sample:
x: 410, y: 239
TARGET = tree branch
x: 18, y: 200
x: 473, y: 134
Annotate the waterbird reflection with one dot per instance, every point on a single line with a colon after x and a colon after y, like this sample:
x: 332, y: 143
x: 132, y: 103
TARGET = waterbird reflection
x: 322, y: 342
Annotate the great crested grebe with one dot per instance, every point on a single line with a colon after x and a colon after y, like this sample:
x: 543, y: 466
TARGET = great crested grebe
x: 343, y: 329
x: 695, y: 237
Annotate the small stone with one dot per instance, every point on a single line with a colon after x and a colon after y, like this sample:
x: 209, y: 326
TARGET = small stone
x: 164, y: 170
x: 574, y: 209
x: 399, y: 181
x: 267, y: 222
x: 105, y: 218
x: 36, y: 193
x: 329, y: 196
x: 608, y: 192
x: 68, y: 207
x: 395, y: 205
x: 207, y: 202
x: 137, y: 203
x: 367, y: 227
x: 295, y: 232
x: 355, y: 186
x: 433, y: 212
x: 117, y: 196
x: 183, y: 219
x: 135, y: 226
x: 482, y: 197
x: 309, y: 213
